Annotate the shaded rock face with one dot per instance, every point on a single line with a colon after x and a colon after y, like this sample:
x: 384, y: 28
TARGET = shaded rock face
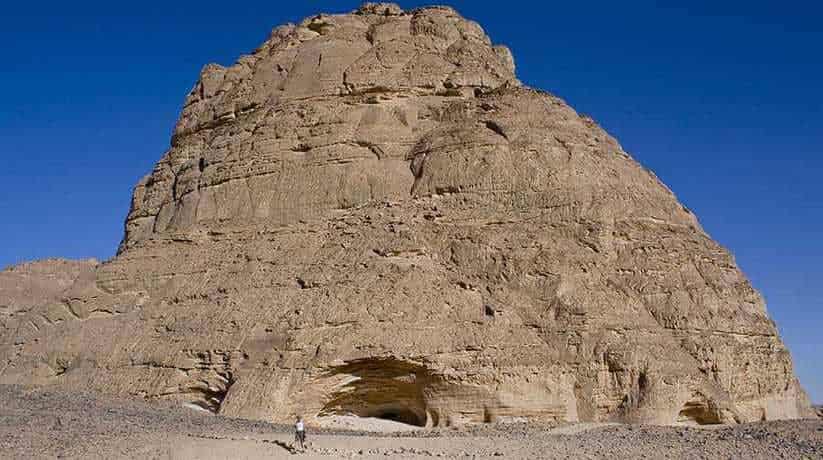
x: 369, y: 215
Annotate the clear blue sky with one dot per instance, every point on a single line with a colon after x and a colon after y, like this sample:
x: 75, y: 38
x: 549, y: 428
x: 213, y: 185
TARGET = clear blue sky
x: 723, y: 100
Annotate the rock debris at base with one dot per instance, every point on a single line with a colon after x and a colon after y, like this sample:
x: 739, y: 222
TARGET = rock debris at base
x: 52, y: 423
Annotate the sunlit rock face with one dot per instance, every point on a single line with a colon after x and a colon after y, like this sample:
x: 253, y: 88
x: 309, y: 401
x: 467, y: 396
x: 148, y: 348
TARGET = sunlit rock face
x: 371, y: 216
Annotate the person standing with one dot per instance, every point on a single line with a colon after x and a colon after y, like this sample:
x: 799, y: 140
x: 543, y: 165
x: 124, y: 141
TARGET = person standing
x: 300, y: 432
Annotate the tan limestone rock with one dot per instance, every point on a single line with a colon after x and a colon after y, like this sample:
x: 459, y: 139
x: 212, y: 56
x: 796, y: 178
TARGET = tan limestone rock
x: 370, y: 216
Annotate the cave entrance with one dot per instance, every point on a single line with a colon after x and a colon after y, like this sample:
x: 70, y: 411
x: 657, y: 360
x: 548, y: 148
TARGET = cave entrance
x: 400, y: 415
x: 698, y: 413
x: 383, y: 388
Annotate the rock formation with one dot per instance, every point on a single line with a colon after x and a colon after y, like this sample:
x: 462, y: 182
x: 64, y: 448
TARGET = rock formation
x: 370, y: 215
x: 45, y: 282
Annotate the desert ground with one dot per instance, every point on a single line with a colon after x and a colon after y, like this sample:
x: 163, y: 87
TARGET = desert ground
x: 52, y: 423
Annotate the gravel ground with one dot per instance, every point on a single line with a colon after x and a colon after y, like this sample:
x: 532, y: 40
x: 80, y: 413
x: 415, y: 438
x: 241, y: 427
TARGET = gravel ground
x: 48, y: 423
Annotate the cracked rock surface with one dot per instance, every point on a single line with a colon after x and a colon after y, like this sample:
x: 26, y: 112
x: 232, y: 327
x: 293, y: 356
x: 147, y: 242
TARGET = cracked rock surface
x: 370, y: 216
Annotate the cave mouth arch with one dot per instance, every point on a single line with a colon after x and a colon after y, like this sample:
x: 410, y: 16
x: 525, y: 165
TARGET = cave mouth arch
x: 699, y: 413
x: 399, y: 414
x: 384, y: 388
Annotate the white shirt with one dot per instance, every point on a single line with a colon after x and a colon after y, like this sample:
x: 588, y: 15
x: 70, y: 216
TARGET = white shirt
x: 298, y: 426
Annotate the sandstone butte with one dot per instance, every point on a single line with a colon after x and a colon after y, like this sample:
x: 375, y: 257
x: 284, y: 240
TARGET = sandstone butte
x: 370, y: 215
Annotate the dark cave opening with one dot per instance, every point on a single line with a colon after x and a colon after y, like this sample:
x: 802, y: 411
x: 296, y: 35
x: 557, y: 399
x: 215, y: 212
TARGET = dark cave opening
x: 698, y: 413
x: 488, y: 310
x: 384, y: 388
x: 401, y: 415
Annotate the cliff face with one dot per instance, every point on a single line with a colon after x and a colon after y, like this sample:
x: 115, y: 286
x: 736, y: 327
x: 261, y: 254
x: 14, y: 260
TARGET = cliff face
x: 370, y: 215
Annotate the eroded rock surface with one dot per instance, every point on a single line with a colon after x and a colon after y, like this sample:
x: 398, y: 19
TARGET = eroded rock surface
x: 371, y: 216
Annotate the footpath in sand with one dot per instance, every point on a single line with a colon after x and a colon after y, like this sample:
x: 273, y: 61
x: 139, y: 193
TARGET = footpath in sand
x: 44, y: 423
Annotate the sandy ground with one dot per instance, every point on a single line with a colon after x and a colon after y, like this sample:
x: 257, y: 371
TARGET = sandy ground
x: 47, y: 423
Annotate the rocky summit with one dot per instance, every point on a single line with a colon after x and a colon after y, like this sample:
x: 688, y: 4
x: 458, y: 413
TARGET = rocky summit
x: 371, y: 216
